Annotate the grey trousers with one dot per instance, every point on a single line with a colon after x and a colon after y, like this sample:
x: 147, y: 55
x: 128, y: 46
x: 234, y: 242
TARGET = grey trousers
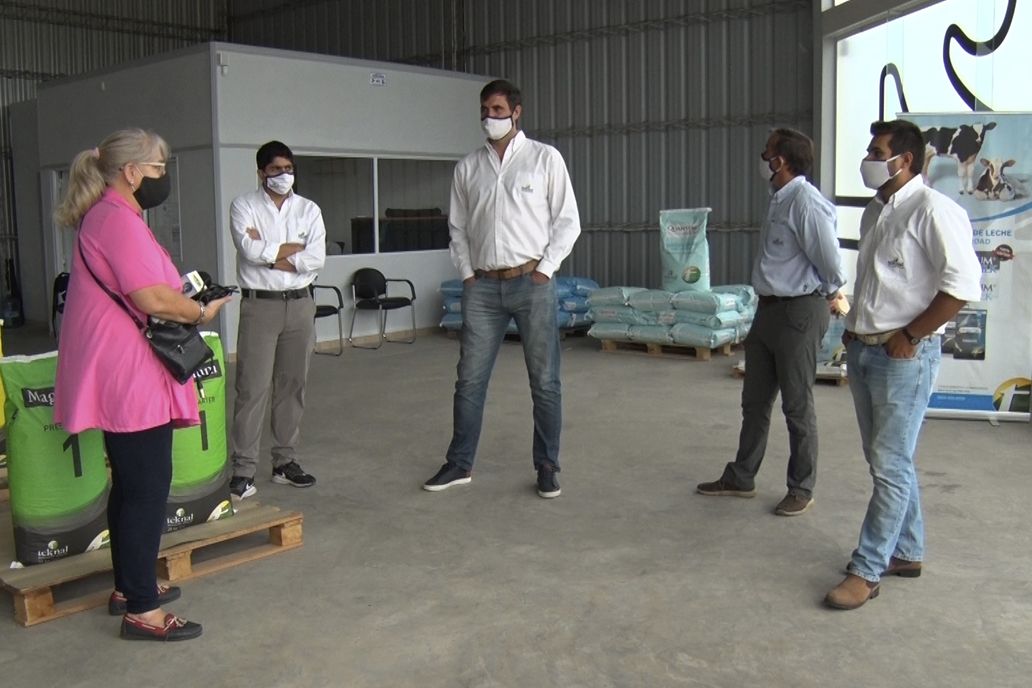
x: 781, y: 354
x: 274, y: 347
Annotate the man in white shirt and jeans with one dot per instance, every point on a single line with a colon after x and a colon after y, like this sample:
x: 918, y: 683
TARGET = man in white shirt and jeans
x: 917, y: 268
x: 513, y: 220
x: 281, y: 245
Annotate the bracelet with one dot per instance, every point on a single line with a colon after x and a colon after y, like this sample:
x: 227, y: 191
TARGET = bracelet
x: 200, y: 318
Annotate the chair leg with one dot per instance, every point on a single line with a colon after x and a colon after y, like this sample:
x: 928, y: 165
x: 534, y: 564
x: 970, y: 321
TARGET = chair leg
x: 406, y: 341
x: 351, y: 335
x: 340, y: 334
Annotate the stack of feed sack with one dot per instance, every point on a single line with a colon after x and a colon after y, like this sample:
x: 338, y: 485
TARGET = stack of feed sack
x: 571, y: 311
x: 706, y: 319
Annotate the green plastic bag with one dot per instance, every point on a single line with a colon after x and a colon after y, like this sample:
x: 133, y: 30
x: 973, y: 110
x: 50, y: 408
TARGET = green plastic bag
x: 58, y: 481
x: 200, y: 474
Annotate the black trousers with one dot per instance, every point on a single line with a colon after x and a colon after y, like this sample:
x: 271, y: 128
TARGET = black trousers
x: 781, y: 355
x: 141, y: 473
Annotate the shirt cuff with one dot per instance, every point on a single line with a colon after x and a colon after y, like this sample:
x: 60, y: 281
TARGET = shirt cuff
x: 269, y: 253
x: 546, y: 267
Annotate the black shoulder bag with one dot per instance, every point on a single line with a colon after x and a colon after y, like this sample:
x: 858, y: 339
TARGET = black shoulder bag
x: 179, y: 347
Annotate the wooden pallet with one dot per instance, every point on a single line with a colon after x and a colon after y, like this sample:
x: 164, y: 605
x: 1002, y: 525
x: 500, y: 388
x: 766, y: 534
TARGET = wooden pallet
x: 33, y: 587
x: 836, y: 377
x: 672, y: 351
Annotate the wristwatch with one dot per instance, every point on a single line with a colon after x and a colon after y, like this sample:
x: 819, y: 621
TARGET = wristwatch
x: 914, y: 341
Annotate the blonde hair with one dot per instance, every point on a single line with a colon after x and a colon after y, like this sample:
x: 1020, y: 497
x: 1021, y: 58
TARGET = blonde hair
x: 93, y: 170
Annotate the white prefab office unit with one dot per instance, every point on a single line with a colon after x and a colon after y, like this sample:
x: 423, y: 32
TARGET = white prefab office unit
x: 217, y: 103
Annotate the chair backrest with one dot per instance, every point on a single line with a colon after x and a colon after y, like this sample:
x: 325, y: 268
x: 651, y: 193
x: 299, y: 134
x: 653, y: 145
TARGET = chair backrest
x: 57, y: 305
x: 369, y: 283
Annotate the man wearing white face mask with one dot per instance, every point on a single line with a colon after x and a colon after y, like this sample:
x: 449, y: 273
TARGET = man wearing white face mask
x: 916, y: 269
x: 796, y: 271
x: 513, y: 220
x: 281, y: 245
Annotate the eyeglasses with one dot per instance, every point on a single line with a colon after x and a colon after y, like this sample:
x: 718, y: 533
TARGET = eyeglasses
x: 159, y: 165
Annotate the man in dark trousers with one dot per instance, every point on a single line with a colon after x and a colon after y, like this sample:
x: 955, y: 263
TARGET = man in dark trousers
x: 513, y: 220
x: 797, y: 271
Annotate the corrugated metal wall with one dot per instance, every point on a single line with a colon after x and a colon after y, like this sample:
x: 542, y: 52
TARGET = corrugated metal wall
x: 46, y: 39
x: 655, y: 104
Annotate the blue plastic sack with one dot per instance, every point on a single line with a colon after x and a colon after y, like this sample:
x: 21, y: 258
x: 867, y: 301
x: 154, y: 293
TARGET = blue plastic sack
x: 704, y: 302
x: 650, y: 300
x: 650, y: 334
x: 622, y: 314
x: 745, y: 293
x: 574, y: 304
x: 581, y: 286
x: 452, y: 287
x: 694, y: 335
x: 612, y: 296
x: 684, y: 249
x: 716, y: 321
x: 452, y: 321
x: 610, y: 331
x: 453, y: 304
x: 580, y: 319
x: 832, y: 349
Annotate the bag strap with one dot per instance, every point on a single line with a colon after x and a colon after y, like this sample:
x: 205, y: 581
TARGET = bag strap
x: 114, y: 297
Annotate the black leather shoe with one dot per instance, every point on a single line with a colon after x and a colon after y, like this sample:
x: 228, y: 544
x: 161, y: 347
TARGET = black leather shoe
x: 174, y: 629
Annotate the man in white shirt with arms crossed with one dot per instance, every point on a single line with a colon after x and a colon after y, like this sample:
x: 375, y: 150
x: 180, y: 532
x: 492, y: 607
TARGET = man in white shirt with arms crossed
x: 513, y: 220
x: 281, y: 246
x: 916, y: 270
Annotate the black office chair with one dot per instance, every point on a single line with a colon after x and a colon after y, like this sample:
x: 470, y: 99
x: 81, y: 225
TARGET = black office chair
x: 328, y: 310
x: 369, y: 293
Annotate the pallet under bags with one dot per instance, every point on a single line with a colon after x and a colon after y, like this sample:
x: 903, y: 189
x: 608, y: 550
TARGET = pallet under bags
x: 58, y: 482
x: 684, y: 249
x: 200, y: 474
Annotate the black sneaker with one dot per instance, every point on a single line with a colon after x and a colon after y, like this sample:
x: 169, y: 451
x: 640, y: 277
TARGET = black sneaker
x: 450, y: 474
x: 241, y: 487
x: 547, y: 483
x: 291, y: 474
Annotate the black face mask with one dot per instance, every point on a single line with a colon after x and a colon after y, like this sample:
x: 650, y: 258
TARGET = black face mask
x: 152, y: 191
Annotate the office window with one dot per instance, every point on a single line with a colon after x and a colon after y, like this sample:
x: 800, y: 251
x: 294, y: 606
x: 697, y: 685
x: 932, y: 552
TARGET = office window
x: 343, y: 189
x: 414, y: 196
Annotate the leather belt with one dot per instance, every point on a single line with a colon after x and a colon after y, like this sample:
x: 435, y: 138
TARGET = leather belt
x: 288, y: 295
x: 508, y: 273
x: 876, y: 339
x: 767, y: 300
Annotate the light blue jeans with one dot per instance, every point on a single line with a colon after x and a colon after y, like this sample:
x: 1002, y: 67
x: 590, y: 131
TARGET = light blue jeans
x: 890, y: 396
x: 487, y: 306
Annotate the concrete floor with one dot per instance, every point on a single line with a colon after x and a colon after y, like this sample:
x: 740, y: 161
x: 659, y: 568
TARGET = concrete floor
x: 627, y: 579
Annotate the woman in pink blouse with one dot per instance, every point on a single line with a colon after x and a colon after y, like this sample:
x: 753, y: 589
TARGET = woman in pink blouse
x: 107, y: 375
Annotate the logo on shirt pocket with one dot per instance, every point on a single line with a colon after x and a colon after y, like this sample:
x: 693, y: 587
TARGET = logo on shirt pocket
x: 527, y: 188
x: 896, y: 262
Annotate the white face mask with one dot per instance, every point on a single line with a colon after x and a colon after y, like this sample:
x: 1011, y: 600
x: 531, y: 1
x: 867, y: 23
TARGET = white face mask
x: 496, y: 128
x: 876, y: 172
x: 280, y: 184
x: 765, y: 172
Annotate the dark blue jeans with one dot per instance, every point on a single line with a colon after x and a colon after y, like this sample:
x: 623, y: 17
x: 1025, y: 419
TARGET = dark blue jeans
x: 487, y: 306
x: 141, y: 473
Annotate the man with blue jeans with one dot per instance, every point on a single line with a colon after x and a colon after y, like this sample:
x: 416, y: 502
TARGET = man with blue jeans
x: 513, y: 220
x: 917, y: 268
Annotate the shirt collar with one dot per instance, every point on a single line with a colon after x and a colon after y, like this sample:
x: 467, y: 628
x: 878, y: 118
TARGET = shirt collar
x: 266, y: 198
x: 905, y: 192
x: 113, y: 195
x: 514, y: 145
x: 788, y: 189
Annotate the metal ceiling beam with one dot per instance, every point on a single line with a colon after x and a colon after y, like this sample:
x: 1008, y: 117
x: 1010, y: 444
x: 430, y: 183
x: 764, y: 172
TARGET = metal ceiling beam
x: 22, y: 11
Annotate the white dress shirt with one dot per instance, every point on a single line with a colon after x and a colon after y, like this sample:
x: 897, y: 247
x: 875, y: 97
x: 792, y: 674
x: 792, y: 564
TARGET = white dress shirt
x: 917, y: 244
x: 505, y: 213
x: 297, y: 221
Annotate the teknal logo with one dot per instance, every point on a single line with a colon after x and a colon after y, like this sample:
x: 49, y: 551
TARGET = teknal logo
x: 34, y: 398
x: 180, y: 520
x: 54, y: 550
x: 896, y: 262
x: 1013, y: 395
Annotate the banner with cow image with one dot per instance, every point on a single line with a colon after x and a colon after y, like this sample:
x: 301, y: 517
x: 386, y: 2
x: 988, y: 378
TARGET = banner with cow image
x: 983, y: 161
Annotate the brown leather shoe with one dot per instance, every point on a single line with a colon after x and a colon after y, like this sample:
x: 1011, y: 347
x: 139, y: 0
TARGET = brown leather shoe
x: 903, y: 568
x: 722, y: 488
x: 793, y: 505
x: 851, y: 593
